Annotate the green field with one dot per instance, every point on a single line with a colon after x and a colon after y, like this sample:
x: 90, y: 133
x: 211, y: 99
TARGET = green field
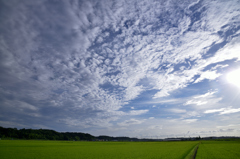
x: 36, y: 149
x: 12, y: 149
x: 219, y: 150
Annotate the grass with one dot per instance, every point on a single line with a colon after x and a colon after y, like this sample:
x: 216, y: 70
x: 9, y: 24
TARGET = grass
x: 37, y: 149
x: 192, y: 153
x: 11, y: 149
x: 219, y: 150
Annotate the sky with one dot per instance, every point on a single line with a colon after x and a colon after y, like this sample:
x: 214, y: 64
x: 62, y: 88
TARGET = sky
x: 137, y: 68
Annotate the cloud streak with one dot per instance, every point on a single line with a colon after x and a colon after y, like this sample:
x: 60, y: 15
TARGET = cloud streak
x: 223, y: 111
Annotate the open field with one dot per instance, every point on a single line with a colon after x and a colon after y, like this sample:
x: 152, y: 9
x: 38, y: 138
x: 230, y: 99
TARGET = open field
x: 12, y: 149
x: 37, y: 149
x: 219, y: 150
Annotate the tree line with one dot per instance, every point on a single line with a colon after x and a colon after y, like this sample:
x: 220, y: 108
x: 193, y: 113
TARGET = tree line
x: 44, y: 134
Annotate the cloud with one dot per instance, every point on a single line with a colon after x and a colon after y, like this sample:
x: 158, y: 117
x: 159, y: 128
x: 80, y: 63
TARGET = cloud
x: 196, y: 102
x: 207, y: 98
x: 190, y: 120
x: 229, y: 51
x: 206, y: 95
x: 176, y: 110
x: 189, y: 114
x: 158, y: 127
x: 226, y: 130
x: 137, y: 112
x: 229, y: 111
x: 219, y: 66
x: 222, y: 111
x: 211, y: 75
x: 214, y: 110
x: 130, y: 122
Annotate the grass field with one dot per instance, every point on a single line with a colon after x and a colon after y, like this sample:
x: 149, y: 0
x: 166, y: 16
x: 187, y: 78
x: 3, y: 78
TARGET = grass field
x: 12, y: 149
x: 36, y: 149
x: 219, y: 150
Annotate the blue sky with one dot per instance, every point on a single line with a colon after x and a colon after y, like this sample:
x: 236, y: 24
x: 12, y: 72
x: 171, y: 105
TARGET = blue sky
x: 121, y: 68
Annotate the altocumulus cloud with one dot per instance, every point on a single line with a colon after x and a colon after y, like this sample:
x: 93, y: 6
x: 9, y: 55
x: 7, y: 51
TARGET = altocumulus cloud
x: 85, y: 65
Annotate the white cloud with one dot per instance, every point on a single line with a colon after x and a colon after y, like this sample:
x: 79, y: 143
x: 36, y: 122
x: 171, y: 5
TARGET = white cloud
x: 219, y: 66
x: 214, y: 110
x: 130, y: 122
x: 228, y: 52
x: 21, y: 106
x: 162, y: 101
x: 229, y: 111
x: 208, y: 94
x: 211, y: 75
x: 190, y: 120
x: 157, y: 127
x: 26, y: 105
x: 214, y: 22
x: 176, y: 110
x: 207, y: 99
x: 132, y: 92
x: 196, y: 47
x: 222, y: 111
x: 189, y: 114
x: 196, y: 102
x: 137, y: 112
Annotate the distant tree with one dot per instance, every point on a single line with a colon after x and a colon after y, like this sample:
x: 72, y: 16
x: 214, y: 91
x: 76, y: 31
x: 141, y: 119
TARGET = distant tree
x: 77, y: 138
x: 42, y: 134
x: 198, y: 138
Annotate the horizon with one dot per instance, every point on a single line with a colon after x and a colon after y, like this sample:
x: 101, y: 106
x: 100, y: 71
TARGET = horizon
x: 137, y: 68
x: 137, y: 137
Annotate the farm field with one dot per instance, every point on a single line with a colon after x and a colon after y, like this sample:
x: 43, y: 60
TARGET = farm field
x: 34, y: 149
x: 218, y: 150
